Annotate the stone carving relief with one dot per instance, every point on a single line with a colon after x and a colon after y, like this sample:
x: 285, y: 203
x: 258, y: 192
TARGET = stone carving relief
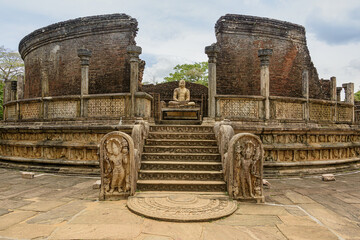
x: 238, y: 108
x: 63, y: 109
x: 345, y: 114
x: 284, y: 110
x: 117, y: 164
x: 30, y: 110
x: 106, y: 107
x: 245, y: 157
x: 320, y: 112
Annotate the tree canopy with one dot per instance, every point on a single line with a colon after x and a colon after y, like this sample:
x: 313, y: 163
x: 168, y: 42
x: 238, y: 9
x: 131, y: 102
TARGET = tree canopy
x: 11, y: 65
x: 195, y: 73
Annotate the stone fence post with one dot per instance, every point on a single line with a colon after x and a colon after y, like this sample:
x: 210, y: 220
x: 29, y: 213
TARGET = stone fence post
x: 264, y: 55
x: 212, y: 52
x: 84, y: 55
x: 134, y: 52
x: 338, y: 94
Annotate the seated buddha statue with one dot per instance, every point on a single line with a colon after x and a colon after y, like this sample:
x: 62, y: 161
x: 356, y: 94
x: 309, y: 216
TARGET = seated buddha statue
x: 181, y: 96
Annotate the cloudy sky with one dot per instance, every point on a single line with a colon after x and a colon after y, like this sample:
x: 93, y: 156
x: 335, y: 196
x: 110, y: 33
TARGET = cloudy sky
x: 176, y: 32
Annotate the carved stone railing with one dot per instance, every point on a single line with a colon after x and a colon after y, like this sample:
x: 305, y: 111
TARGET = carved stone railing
x: 139, y: 135
x: 102, y: 106
x: 239, y: 107
x: 252, y: 108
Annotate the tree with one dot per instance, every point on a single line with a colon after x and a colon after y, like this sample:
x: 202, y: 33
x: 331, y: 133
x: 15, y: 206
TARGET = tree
x: 11, y: 65
x: 357, y: 96
x: 195, y: 73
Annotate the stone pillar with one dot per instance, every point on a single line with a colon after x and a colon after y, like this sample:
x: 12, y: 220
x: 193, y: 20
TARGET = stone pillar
x: 212, y: 51
x: 84, y: 55
x: 7, y: 91
x: 349, y: 92
x: 305, y: 80
x: 13, y: 94
x: 264, y: 55
x: 338, y: 94
x: 333, y: 88
x: 134, y: 52
x: 20, y: 87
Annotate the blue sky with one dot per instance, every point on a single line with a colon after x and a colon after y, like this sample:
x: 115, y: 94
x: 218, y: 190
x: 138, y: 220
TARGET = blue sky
x: 175, y: 32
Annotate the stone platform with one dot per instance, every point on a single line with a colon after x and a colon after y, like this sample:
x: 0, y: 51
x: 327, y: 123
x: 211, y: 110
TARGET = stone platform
x: 182, y: 207
x: 66, y: 207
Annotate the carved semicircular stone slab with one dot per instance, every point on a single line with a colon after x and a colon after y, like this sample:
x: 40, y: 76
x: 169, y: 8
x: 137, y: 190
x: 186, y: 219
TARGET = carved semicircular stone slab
x: 182, y: 208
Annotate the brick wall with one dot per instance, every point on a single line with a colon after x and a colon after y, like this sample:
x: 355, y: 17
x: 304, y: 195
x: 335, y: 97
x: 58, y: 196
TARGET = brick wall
x: 51, y: 53
x: 240, y: 37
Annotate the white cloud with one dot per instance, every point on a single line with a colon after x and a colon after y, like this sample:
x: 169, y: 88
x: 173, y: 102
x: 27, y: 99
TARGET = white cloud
x: 176, y: 32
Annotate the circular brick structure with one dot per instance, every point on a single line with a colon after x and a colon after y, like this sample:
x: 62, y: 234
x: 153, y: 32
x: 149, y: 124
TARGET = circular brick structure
x: 50, y: 54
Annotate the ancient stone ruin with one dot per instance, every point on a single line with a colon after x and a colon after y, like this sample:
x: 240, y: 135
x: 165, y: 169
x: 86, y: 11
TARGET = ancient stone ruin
x: 83, y: 82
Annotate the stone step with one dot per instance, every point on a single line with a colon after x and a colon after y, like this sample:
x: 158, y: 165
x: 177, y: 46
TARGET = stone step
x: 180, y: 142
x: 176, y: 165
x: 175, y: 135
x: 183, y: 157
x: 180, y: 175
x: 181, y: 185
x: 181, y: 129
x: 181, y: 149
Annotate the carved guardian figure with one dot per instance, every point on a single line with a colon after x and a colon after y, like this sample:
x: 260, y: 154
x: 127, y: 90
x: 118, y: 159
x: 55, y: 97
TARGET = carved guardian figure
x: 117, y: 166
x: 245, y: 167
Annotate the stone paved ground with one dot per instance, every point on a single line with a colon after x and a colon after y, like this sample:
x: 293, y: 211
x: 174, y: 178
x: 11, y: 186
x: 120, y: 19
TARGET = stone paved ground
x: 66, y: 207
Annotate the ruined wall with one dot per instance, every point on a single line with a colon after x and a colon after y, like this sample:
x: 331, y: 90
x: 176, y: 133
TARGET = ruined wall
x: 50, y: 54
x: 240, y: 37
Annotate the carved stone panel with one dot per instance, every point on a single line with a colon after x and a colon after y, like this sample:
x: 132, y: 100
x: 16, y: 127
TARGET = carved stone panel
x: 345, y: 114
x: 320, y: 112
x: 11, y: 112
x: 100, y: 107
x: 63, y: 109
x: 245, y: 157
x: 237, y: 108
x: 118, y: 172
x: 285, y: 110
x: 30, y: 110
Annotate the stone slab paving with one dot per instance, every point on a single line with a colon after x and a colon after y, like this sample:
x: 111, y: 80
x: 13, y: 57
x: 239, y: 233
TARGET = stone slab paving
x: 67, y: 207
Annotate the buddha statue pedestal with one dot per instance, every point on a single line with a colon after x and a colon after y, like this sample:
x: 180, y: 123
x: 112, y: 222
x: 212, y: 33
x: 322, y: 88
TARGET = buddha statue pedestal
x: 180, y: 108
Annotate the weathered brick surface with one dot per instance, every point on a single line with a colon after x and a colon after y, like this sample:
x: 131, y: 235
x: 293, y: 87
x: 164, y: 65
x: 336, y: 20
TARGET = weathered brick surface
x: 51, y: 53
x: 238, y: 66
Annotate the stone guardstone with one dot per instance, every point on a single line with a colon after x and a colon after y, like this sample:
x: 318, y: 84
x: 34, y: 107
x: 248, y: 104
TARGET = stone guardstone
x: 182, y: 208
x: 27, y: 175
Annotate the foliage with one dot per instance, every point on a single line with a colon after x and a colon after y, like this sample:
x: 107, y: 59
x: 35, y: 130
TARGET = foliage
x: 195, y: 73
x: 11, y: 65
x: 357, y: 96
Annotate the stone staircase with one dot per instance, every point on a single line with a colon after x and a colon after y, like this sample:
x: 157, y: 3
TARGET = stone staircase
x: 181, y: 158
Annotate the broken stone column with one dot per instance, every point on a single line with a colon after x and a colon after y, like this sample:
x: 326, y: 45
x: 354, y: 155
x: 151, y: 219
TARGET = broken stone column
x: 349, y: 92
x: 305, y: 80
x: 264, y: 55
x: 338, y: 94
x: 13, y: 93
x: 212, y: 51
x: 134, y: 52
x: 20, y: 86
x: 333, y: 90
x: 7, y: 91
x: 84, y: 55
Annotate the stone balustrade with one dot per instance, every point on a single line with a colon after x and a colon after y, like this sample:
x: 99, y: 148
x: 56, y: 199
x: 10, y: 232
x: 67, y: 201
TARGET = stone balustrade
x: 104, y: 106
x: 245, y: 108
